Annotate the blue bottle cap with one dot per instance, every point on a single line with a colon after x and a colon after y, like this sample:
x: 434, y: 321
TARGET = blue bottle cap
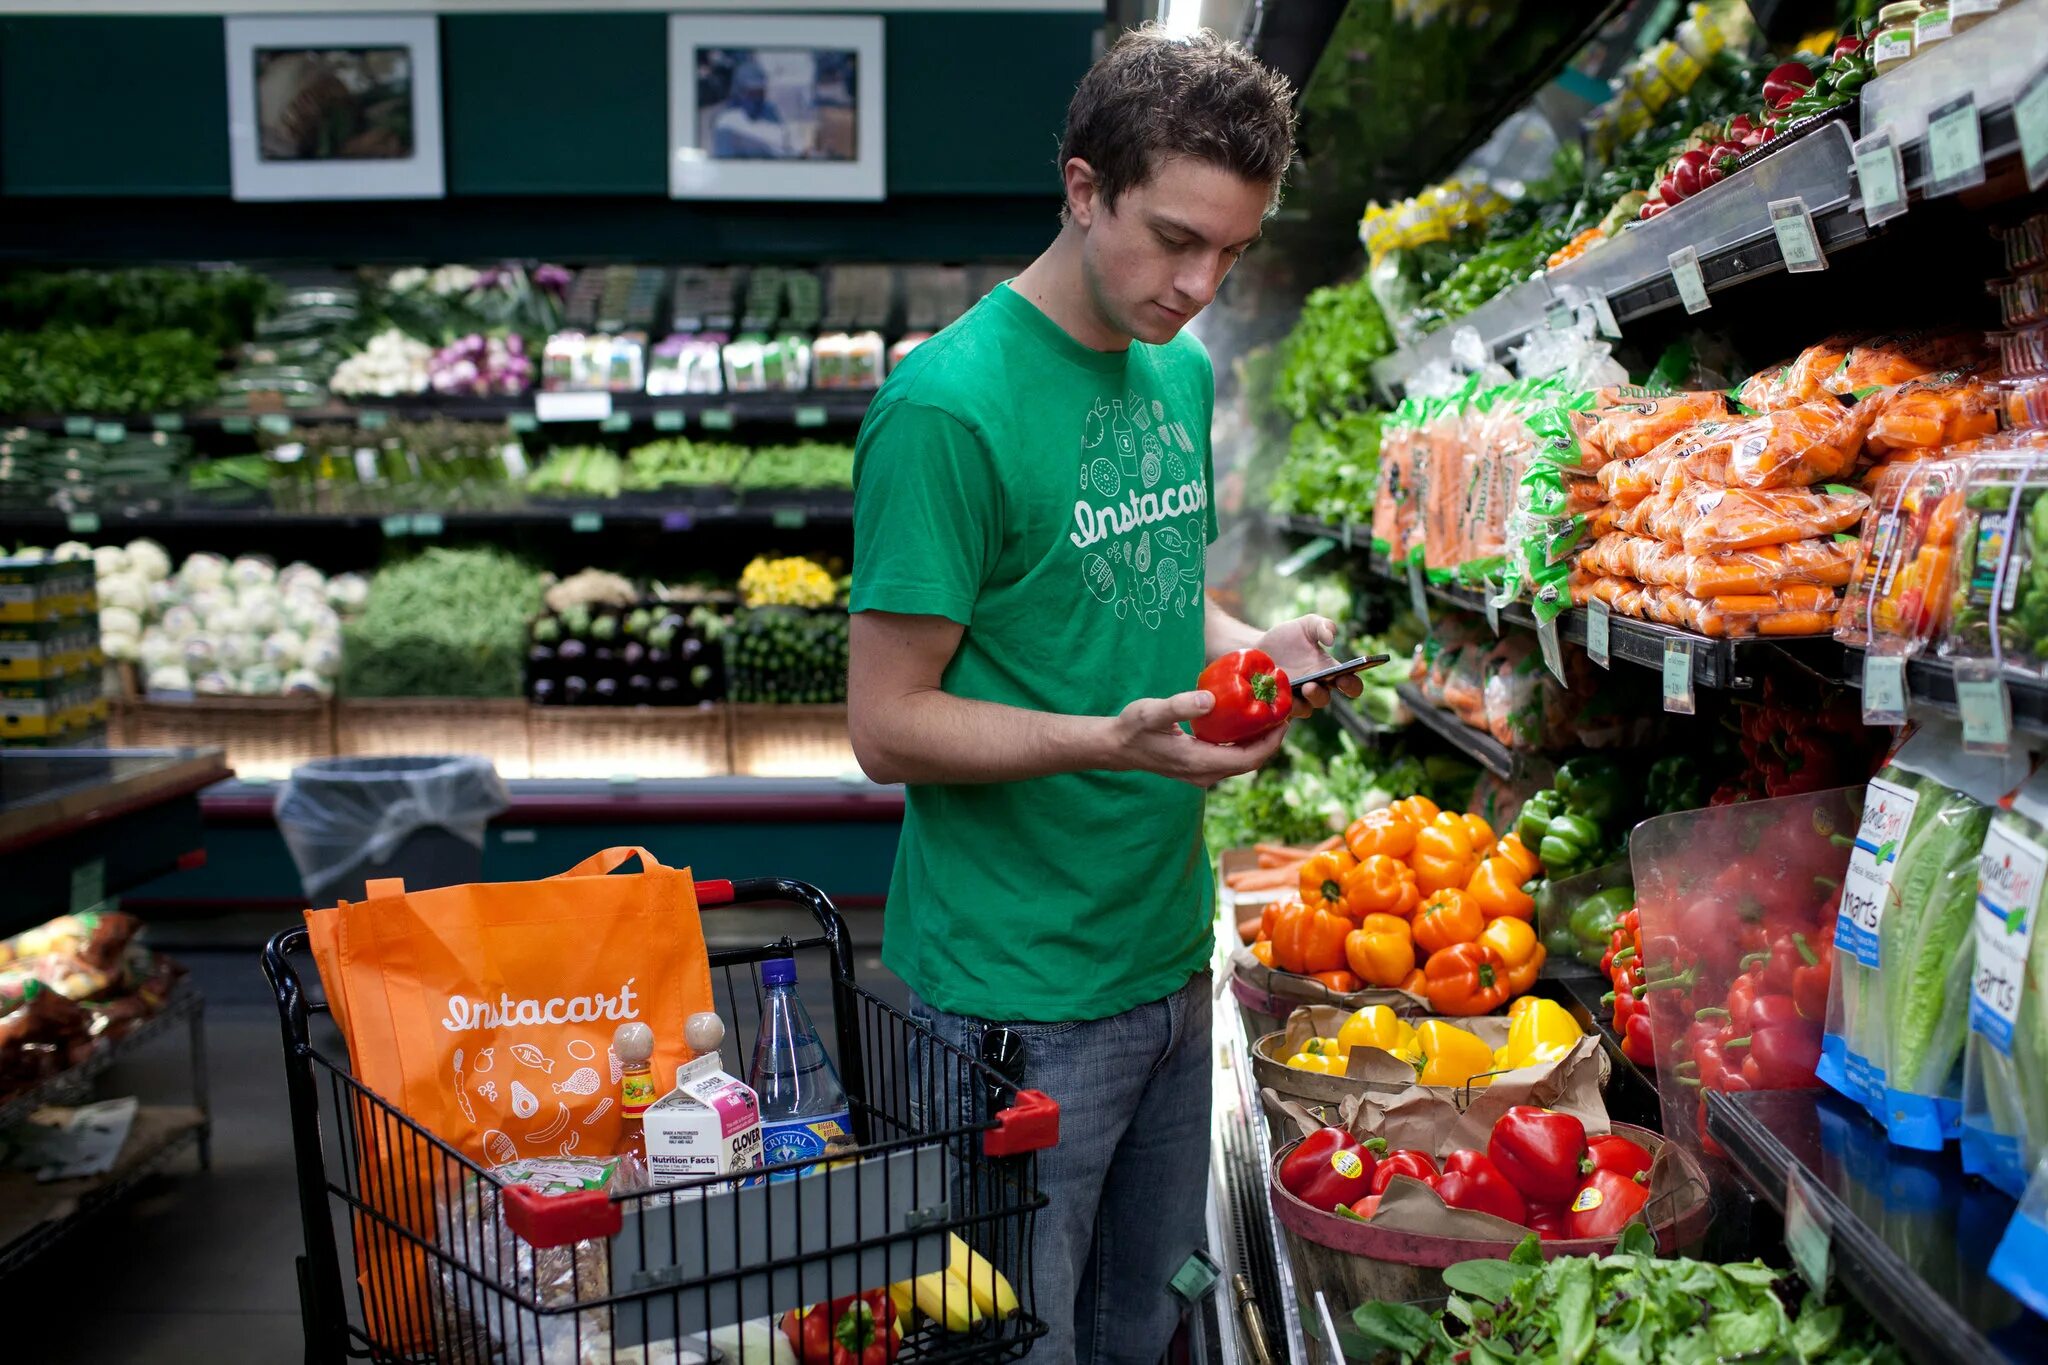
x: 778, y: 971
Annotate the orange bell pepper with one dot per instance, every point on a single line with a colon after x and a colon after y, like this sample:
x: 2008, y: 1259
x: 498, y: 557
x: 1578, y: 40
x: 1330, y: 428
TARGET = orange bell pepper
x: 1416, y: 810
x: 1444, y: 854
x: 1342, y: 982
x: 1447, y: 917
x: 1466, y: 978
x: 1520, y: 951
x: 1380, y: 832
x: 1379, y: 886
x: 1322, y: 882
x: 1481, y: 832
x: 1263, y: 951
x: 1268, y: 917
x: 1415, y: 983
x: 1307, y: 940
x: 1525, y: 861
x: 1498, y: 892
x: 1381, y: 950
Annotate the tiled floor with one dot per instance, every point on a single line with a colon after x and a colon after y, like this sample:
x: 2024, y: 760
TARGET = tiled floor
x: 199, y: 1267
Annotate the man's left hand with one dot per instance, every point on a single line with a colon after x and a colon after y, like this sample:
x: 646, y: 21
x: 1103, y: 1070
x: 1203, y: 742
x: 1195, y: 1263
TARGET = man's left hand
x: 1302, y: 646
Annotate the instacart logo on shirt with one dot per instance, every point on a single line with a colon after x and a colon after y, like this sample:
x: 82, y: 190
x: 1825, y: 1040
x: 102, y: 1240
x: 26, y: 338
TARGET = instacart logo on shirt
x: 1140, y: 512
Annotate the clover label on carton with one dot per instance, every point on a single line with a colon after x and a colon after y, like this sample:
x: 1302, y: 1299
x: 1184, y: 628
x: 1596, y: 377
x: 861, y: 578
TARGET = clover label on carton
x: 710, y: 1124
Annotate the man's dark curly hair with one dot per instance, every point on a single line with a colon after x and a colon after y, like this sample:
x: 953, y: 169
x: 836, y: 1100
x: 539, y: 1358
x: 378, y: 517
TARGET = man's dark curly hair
x: 1154, y: 96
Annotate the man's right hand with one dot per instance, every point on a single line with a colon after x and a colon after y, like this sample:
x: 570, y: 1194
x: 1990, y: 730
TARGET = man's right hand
x: 1147, y: 737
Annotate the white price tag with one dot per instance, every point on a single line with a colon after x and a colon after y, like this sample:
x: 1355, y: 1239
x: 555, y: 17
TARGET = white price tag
x: 88, y: 885
x: 1987, y: 714
x: 1692, y: 285
x: 2010, y: 871
x: 1603, y: 314
x: 1678, y: 697
x: 1559, y: 316
x: 1553, y: 651
x: 1887, y: 813
x: 1880, y: 178
x: 1597, y: 619
x: 2030, y: 115
x: 572, y: 407
x: 1798, y: 243
x: 1806, y: 1234
x: 1487, y: 589
x: 1955, y: 147
x: 1884, y: 689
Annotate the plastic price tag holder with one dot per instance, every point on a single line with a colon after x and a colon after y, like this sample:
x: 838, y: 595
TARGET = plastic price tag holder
x: 426, y: 523
x: 276, y: 423
x: 624, y: 779
x: 373, y: 419
x: 78, y: 426
x: 522, y: 421
x: 397, y: 526
x: 1880, y: 178
x: 1597, y: 620
x: 1884, y: 689
x: 109, y: 433
x: 1553, y: 649
x: 2030, y: 116
x: 1344, y: 534
x: 1603, y: 316
x: 1197, y: 1275
x: 1305, y: 556
x: 1487, y: 587
x: 1678, y: 678
x: 810, y: 415
x: 1955, y: 147
x: 718, y: 419
x: 1986, y: 707
x: 669, y: 419
x: 572, y: 407
x: 1692, y: 285
x: 788, y: 518
x: 1558, y: 316
x: 1807, y: 1236
x: 1798, y: 243
x: 2011, y: 869
x: 586, y: 523
x: 168, y: 421
x: 88, y: 885
x: 618, y: 421
x: 238, y: 426
x: 1417, y: 598
x: 83, y: 523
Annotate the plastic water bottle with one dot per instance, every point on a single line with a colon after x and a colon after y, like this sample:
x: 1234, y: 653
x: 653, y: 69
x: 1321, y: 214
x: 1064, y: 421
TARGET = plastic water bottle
x: 803, y: 1106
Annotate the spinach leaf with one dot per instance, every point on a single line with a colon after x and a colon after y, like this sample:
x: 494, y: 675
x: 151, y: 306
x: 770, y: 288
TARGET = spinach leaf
x: 1490, y: 1280
x: 1399, y: 1327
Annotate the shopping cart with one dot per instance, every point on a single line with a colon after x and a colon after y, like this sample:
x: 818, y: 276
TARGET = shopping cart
x: 450, y: 1264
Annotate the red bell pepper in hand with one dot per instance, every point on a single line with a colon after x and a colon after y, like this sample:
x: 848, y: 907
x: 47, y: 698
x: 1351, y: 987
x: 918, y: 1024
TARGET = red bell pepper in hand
x: 1471, y: 1181
x: 1251, y: 693
x: 1615, y: 1154
x: 1329, y: 1168
x: 1538, y: 1150
x: 1604, y: 1205
x: 860, y: 1329
x: 1409, y: 1162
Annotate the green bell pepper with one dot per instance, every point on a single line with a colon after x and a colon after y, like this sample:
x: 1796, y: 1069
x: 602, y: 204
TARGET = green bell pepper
x: 1592, y: 923
x: 1594, y: 787
x: 1535, y: 817
x: 1674, y: 783
x: 1569, y: 845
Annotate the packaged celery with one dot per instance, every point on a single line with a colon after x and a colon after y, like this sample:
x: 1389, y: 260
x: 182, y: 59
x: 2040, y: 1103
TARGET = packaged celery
x: 2005, y: 1070
x: 1899, y: 1004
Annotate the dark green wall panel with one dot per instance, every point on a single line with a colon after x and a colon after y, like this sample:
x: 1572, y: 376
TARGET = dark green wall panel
x: 555, y: 103
x: 113, y: 106
x: 976, y: 100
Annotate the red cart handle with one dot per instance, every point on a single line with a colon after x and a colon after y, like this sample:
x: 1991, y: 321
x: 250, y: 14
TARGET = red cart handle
x: 1030, y: 1125
x: 555, y: 1220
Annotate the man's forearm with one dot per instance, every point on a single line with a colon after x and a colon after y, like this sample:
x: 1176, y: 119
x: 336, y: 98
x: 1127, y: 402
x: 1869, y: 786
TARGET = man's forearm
x: 931, y: 736
x: 1222, y: 632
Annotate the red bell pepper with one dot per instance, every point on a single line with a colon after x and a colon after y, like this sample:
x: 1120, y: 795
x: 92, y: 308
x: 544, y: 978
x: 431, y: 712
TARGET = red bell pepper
x: 1329, y: 1168
x: 1471, y: 1181
x: 860, y: 1329
x: 1547, y: 1221
x: 1741, y: 997
x: 1616, y: 1154
x: 1539, y: 1151
x: 1604, y: 1205
x: 1811, y: 978
x: 1783, y: 1057
x: 1409, y: 1162
x: 1777, y: 1011
x: 1251, y: 693
x: 1363, y: 1210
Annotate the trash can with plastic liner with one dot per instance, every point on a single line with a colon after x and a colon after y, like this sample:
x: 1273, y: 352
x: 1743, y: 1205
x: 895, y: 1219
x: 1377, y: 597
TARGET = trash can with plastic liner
x: 352, y: 820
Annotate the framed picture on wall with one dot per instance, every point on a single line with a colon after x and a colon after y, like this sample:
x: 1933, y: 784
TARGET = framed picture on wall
x: 783, y: 107
x: 335, y: 108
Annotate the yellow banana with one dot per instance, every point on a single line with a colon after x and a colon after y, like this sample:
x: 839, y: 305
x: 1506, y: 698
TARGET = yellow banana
x: 944, y: 1300
x: 992, y: 1293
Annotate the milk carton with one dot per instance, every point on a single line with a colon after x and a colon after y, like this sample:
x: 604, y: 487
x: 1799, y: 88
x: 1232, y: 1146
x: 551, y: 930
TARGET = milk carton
x: 710, y: 1124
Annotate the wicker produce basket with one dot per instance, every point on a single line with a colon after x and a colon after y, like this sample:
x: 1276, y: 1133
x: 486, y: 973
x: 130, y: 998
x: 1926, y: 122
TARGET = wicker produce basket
x: 791, y: 741
x: 263, y: 736
x: 645, y: 741
x: 493, y: 727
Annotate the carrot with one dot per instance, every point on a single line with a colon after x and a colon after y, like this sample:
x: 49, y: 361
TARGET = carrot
x: 1326, y: 845
x: 1248, y: 929
x: 1263, y: 878
x: 1282, y: 853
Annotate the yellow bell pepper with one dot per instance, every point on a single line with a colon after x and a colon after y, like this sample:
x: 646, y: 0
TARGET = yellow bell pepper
x: 1515, y: 940
x: 1450, y: 1055
x: 1444, y: 856
x: 1539, y: 1031
x: 1377, y: 1026
x: 1322, y: 1064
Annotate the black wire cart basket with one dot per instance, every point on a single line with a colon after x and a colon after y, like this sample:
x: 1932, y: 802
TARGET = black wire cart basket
x: 415, y: 1252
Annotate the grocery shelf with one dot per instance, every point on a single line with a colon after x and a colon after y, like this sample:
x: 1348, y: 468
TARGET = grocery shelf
x: 1932, y: 683
x: 1991, y: 62
x: 184, y: 1006
x: 1909, y: 1235
x: 1482, y: 748
x: 685, y: 511
x: 35, y: 1217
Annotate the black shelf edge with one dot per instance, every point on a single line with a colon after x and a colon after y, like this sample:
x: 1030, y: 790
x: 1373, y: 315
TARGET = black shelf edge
x: 185, y: 1003
x: 1483, y: 749
x: 1356, y: 723
x: 110, y: 1191
x: 1931, y: 683
x: 810, y: 407
x: 796, y: 510
x: 1757, y: 1128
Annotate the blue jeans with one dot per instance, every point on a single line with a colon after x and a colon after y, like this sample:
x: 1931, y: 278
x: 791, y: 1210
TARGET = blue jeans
x: 1128, y: 1182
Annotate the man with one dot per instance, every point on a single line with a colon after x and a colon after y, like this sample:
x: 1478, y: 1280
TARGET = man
x: 1031, y: 514
x: 749, y: 128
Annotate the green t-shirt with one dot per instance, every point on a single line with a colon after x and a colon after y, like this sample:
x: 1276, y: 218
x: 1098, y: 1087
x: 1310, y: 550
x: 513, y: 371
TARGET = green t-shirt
x: 1054, y: 500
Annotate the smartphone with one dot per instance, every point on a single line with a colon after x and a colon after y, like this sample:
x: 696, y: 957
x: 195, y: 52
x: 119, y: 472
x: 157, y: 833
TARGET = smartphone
x: 1338, y: 670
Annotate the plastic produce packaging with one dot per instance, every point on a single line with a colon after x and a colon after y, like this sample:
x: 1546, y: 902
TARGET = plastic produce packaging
x: 2005, y: 1070
x: 1785, y: 448
x: 338, y: 814
x: 1898, y: 1006
x: 1704, y: 519
x: 1767, y: 568
x: 1998, y: 614
x: 1898, y: 591
x: 1619, y: 424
